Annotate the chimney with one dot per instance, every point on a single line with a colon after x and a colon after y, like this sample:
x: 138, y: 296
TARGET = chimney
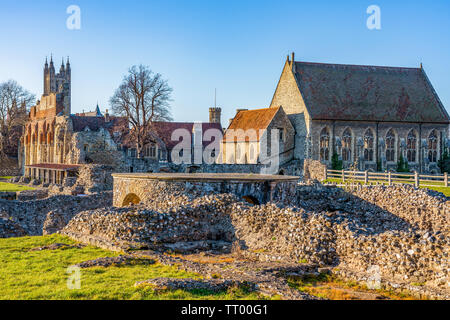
x: 215, y: 115
x: 107, y: 118
x: 293, y: 62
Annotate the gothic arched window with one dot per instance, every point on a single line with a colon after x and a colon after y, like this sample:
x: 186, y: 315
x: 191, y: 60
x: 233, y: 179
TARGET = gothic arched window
x: 432, y: 146
x: 324, y: 145
x: 390, y: 146
x: 411, y: 147
x: 368, y: 145
x: 347, y: 145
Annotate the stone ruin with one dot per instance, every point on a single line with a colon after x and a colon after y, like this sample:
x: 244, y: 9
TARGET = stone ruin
x: 401, y: 232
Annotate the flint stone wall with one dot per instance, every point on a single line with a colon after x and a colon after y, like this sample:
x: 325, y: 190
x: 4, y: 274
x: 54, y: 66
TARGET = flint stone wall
x: 146, y: 187
x: 32, y: 215
x: 9, y: 167
x: 313, y: 170
x: 328, y: 226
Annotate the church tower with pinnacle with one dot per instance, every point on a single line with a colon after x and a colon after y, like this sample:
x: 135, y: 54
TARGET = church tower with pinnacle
x: 58, y: 83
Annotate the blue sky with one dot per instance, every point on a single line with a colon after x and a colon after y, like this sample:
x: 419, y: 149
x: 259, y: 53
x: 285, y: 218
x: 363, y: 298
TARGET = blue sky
x: 238, y: 47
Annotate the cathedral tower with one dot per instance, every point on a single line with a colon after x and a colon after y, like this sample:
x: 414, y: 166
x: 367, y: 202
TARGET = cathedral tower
x: 58, y: 83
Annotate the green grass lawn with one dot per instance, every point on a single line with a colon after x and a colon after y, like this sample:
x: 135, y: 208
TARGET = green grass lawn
x: 439, y: 186
x: 10, y: 187
x: 36, y: 275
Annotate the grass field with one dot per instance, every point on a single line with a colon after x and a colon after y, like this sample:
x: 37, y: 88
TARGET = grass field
x: 10, y: 187
x: 439, y: 187
x: 36, y: 275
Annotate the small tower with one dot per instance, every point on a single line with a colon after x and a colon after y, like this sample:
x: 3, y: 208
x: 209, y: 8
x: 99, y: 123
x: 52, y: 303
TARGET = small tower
x: 46, y: 78
x: 68, y: 70
x: 215, y: 115
x: 52, y: 76
x: 62, y: 70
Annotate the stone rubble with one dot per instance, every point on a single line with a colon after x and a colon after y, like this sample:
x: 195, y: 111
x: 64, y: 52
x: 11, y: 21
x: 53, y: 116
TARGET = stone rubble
x: 212, y: 285
x: 402, y: 231
x: 114, y: 261
x: 267, y: 278
x: 49, y: 215
x: 10, y: 229
x: 59, y: 246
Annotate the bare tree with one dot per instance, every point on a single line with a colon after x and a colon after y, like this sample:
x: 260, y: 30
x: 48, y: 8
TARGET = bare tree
x: 143, y: 97
x: 14, y: 103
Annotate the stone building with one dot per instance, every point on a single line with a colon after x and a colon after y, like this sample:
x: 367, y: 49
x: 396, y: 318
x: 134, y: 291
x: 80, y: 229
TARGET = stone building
x: 252, y: 135
x: 55, y: 142
x: 367, y: 115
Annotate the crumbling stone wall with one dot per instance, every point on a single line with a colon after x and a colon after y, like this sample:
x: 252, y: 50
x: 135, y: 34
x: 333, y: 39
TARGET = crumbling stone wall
x: 31, y: 215
x: 9, y: 167
x: 314, y: 170
x: 327, y: 226
x: 95, y: 177
x: 146, y: 187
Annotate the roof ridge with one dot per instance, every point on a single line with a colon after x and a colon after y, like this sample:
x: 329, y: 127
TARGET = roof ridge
x: 260, y: 109
x: 355, y: 65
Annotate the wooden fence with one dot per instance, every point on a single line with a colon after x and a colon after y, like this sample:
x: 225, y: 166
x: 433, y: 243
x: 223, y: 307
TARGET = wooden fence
x: 388, y: 178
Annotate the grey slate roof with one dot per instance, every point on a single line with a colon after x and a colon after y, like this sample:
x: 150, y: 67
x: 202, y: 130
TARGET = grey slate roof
x: 368, y: 93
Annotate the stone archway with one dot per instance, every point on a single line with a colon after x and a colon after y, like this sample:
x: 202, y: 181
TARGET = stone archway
x: 131, y: 199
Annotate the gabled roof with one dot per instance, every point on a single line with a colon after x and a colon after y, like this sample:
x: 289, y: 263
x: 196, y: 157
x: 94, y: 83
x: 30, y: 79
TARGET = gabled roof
x: 368, y: 93
x: 164, y: 131
x: 257, y: 120
x: 95, y: 123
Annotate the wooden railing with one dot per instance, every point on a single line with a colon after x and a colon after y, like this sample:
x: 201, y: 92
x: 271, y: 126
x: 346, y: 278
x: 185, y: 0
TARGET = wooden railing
x: 388, y: 178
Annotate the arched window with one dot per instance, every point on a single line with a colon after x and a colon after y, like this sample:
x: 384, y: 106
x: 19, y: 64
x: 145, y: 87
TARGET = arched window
x: 432, y: 146
x: 368, y: 145
x: 347, y: 145
x: 390, y: 146
x: 324, y: 145
x: 411, y: 147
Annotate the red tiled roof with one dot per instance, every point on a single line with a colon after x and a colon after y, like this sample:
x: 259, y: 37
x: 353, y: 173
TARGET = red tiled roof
x: 247, y: 120
x: 55, y: 166
x: 164, y: 131
x: 368, y: 93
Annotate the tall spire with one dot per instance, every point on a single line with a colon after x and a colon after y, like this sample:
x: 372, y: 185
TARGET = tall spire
x: 52, y: 67
x: 62, y: 66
